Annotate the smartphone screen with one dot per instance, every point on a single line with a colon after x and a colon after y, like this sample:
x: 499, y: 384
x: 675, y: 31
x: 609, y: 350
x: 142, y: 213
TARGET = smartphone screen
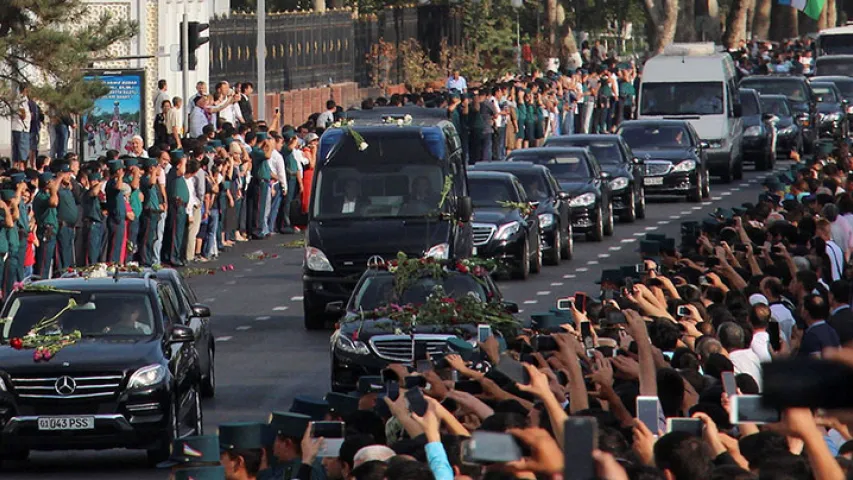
x: 580, y: 301
x: 490, y: 447
x: 417, y: 402
x: 469, y: 386
x: 420, y: 351
x: 333, y: 435
x: 586, y: 335
x: 415, y: 381
x: 544, y: 343
x: 580, y: 438
x: 649, y: 412
x: 749, y: 409
x: 483, y: 332
x: 682, y: 311
x: 392, y: 389
x: 565, y: 303
x: 729, y: 383
x: 640, y: 268
x: 423, y: 366
x: 616, y: 317
x: 773, y: 333
x: 693, y: 426
x: 514, y: 370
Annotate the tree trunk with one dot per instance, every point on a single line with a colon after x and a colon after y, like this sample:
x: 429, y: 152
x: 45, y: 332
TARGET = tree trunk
x: 783, y: 22
x: 319, y: 5
x: 568, y: 45
x: 551, y: 15
x: 663, y: 19
x: 736, y: 24
x: 685, y: 29
x: 831, y: 13
x: 761, y: 19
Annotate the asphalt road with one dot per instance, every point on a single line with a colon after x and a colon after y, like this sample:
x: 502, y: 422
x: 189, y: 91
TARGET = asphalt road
x: 264, y: 357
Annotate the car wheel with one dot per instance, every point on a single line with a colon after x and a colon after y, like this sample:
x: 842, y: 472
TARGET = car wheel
x: 164, y: 449
x: 608, y: 226
x: 314, y: 318
x: 553, y: 256
x: 597, y: 234
x: 523, y: 270
x: 695, y: 194
x: 641, y: 205
x: 631, y: 214
x: 208, y: 384
x: 706, y: 186
x: 738, y: 173
x: 536, y: 261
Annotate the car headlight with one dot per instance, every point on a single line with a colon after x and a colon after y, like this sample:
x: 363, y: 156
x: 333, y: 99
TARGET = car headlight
x: 619, y: 183
x: 787, y: 130
x: 830, y: 117
x: 584, y: 200
x: 850, y: 109
x: 147, y: 376
x: 438, y: 252
x: 316, y: 260
x: 546, y: 220
x: 685, y: 166
x: 507, y: 230
x: 754, y: 131
x: 803, y: 118
x: 3, y: 385
x: 715, y: 143
x: 351, y: 346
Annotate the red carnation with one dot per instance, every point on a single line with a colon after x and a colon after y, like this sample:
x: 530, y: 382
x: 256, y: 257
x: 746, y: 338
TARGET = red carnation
x: 211, y: 272
x: 393, y: 263
x: 16, y: 343
x: 70, y: 269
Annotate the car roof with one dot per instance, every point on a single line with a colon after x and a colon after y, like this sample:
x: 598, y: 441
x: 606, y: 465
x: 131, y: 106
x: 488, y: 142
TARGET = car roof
x: 776, y: 77
x: 585, y: 136
x: 88, y: 284
x: 836, y: 57
x: 507, y: 166
x: 421, y: 116
x: 832, y: 78
x: 645, y: 122
x: 551, y: 150
x: 490, y: 175
x: 774, y: 96
x: 160, y: 273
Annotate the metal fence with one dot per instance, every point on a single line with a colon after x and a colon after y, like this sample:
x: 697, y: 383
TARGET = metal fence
x: 310, y: 49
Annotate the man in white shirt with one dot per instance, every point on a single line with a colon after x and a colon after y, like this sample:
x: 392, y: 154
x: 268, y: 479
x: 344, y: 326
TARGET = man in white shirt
x: 759, y: 318
x: 457, y: 82
x: 162, y: 96
x: 278, y: 187
x: 733, y: 339
x: 840, y: 231
x: 198, y: 117
x: 499, y: 144
x: 833, y: 251
x: 21, y: 119
x: 773, y: 289
x: 200, y: 91
x: 327, y: 118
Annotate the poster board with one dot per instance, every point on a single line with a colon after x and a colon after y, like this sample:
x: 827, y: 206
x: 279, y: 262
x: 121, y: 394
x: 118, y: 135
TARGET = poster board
x: 117, y: 116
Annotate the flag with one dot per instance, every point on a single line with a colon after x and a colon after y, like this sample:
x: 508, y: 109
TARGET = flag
x: 812, y: 8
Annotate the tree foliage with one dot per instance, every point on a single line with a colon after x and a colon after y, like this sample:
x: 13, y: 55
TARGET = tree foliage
x: 42, y: 48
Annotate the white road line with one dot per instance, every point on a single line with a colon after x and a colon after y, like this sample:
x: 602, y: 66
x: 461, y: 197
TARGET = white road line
x: 725, y: 194
x: 280, y: 309
x: 744, y: 184
x: 247, y: 269
x: 263, y: 318
x: 239, y: 276
x: 556, y: 284
x: 243, y: 328
x: 615, y: 249
x: 569, y: 275
x: 531, y: 302
x: 697, y: 207
x: 592, y: 262
x: 686, y: 212
x: 208, y: 300
x: 651, y: 229
x: 582, y: 269
x: 629, y: 240
x: 296, y: 299
x: 639, y: 234
x: 663, y: 222
x: 223, y: 339
x: 603, y: 255
x: 231, y: 282
x: 716, y: 199
x: 674, y: 217
x: 543, y: 293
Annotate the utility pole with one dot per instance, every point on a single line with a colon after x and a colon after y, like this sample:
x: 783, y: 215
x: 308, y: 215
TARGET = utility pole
x: 185, y: 65
x: 262, y: 59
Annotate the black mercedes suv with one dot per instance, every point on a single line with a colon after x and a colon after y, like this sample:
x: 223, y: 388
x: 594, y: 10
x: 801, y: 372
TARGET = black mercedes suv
x: 131, y: 380
x: 800, y: 96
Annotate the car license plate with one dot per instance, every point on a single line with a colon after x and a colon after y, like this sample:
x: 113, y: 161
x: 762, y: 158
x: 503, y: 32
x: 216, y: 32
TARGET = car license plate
x: 66, y: 423
x: 653, y: 181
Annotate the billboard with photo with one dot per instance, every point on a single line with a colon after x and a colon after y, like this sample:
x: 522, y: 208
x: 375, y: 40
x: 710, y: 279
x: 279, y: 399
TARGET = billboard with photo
x: 117, y: 116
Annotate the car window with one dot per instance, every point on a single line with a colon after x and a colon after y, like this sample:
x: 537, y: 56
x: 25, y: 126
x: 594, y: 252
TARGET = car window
x: 486, y: 192
x: 795, y: 91
x: 775, y: 106
x: 656, y: 136
x: 826, y: 94
x: 750, y: 104
x: 377, y: 291
x: 170, y: 310
x: 188, y: 291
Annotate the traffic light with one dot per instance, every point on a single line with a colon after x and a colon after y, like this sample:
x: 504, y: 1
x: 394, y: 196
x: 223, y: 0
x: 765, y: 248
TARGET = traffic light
x: 194, y: 30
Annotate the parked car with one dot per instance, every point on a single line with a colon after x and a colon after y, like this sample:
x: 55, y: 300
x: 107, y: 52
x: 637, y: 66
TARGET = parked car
x: 132, y: 380
x: 789, y: 135
x: 799, y: 94
x: 758, y: 132
x: 506, y: 227
x: 845, y: 85
x: 675, y: 158
x: 832, y: 110
x: 579, y: 174
x: 552, y: 206
x: 626, y: 171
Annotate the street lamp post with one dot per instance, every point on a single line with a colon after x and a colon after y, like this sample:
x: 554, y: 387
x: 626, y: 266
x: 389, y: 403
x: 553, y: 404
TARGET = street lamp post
x: 517, y: 4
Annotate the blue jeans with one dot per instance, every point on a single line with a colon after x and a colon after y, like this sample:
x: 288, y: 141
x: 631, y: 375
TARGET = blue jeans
x: 60, y: 140
x: 291, y: 194
x: 487, y: 147
x: 212, y: 233
x: 20, y: 146
x: 275, y: 207
x: 501, y: 146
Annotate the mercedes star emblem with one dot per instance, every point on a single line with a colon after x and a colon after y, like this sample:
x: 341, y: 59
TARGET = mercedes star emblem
x: 375, y: 261
x: 65, y: 385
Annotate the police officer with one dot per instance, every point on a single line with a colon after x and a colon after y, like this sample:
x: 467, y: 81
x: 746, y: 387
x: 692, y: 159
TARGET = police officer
x: 241, y: 447
x: 116, y: 212
x: 259, y: 186
x: 133, y: 173
x: 7, y: 221
x: 14, y: 265
x: 192, y: 452
x: 289, y: 429
x: 67, y: 214
x: 94, y: 227
x: 152, y: 207
x: 176, y: 219
x: 44, y: 208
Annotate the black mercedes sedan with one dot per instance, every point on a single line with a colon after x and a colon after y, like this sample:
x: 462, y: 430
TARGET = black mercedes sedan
x: 626, y: 171
x: 505, y: 223
x: 551, y: 202
x: 758, y: 132
x: 845, y: 85
x: 675, y: 158
x: 789, y: 135
x: 579, y: 174
x: 799, y: 94
x: 832, y: 110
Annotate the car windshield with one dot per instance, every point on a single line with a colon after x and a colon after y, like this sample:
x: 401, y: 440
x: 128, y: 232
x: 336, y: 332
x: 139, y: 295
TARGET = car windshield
x: 795, y: 91
x: 685, y: 98
x: 606, y: 151
x: 564, y: 166
x: 487, y: 192
x: 825, y: 94
x: 534, y: 185
x: 834, y: 66
x: 846, y: 87
x: 644, y: 137
x: 96, y: 314
x: 776, y: 106
x: 377, y: 291
x: 749, y: 105
x: 393, y: 177
x: 836, y: 44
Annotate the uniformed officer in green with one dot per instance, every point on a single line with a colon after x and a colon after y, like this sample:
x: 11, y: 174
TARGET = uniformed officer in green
x: 14, y: 265
x: 192, y: 452
x: 47, y: 222
x: 259, y: 186
x: 152, y: 206
x: 201, y: 473
x: 174, y: 246
x: 286, y: 459
x: 67, y: 215
x: 93, y: 219
x: 241, y: 447
x: 341, y: 405
x: 133, y: 174
x: 116, y: 213
x: 8, y: 215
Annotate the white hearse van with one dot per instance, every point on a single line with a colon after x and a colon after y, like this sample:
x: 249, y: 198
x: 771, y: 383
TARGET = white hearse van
x: 698, y: 83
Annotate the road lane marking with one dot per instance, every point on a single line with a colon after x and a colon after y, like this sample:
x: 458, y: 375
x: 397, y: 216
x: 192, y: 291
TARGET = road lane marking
x: 639, y: 234
x: 716, y: 199
x: 543, y: 293
x: 615, y: 249
x: 239, y: 276
x: 744, y: 184
x: 629, y: 240
x: 556, y: 284
x: 531, y: 302
x: 296, y: 299
x: 223, y: 339
x: 603, y: 255
x: 592, y: 262
x: 247, y: 269
x: 686, y: 212
x: 208, y: 300
x: 725, y: 194
x: 674, y: 217
x: 582, y: 269
x: 280, y: 309
x: 231, y: 282
x: 263, y: 318
x: 663, y: 222
x: 697, y: 207
x: 243, y: 328
x: 651, y: 229
x: 569, y: 275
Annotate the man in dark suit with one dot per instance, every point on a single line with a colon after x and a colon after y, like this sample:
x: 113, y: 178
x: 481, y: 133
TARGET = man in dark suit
x: 351, y: 203
x: 841, y: 316
x: 819, y: 335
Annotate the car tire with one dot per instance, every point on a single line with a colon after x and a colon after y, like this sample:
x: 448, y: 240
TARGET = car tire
x: 567, y: 251
x: 555, y: 254
x: 630, y: 215
x: 164, y: 449
x: 641, y: 205
x: 313, y: 318
x: 608, y: 225
x: 738, y: 170
x: 597, y: 235
x: 695, y: 195
x: 536, y: 261
x: 762, y: 163
x: 706, y: 186
x: 522, y: 271
x: 208, y: 384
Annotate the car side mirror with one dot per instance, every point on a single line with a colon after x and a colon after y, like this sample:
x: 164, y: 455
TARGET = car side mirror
x: 737, y: 111
x: 818, y: 99
x: 201, y: 311
x: 638, y: 161
x: 605, y: 176
x: 564, y: 196
x: 703, y: 144
x: 181, y: 334
x: 510, y: 307
x: 335, y: 308
x: 464, y: 208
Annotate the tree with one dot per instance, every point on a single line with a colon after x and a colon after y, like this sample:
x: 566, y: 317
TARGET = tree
x: 43, y: 50
x: 736, y: 23
x: 663, y: 18
x: 761, y: 19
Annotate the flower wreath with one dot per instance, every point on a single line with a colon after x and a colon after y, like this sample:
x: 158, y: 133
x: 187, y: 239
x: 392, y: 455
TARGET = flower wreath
x: 106, y: 270
x: 400, y: 122
x: 45, y: 337
x: 347, y: 125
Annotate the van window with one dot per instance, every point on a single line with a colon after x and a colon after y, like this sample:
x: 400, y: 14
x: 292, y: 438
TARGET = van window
x: 795, y: 91
x: 834, y: 66
x: 837, y: 44
x: 688, y: 98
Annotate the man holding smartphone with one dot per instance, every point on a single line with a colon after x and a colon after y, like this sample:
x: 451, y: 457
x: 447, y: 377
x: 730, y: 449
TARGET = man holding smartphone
x: 289, y: 429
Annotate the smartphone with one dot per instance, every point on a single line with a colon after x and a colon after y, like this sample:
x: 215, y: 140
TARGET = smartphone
x: 586, y: 334
x: 483, y: 332
x: 514, y: 370
x: 423, y: 366
x: 388, y: 375
x: 650, y: 412
x: 729, y: 384
x: 682, y: 311
x: 693, y: 426
x: 580, y: 301
x: 629, y: 285
x: 773, y: 333
x: 703, y: 280
x: 417, y: 402
x: 333, y: 434
x: 439, y: 361
x: 490, y: 447
x: 640, y: 268
x: 616, y: 317
x: 419, y: 350
x: 609, y: 294
x: 392, y: 389
x: 749, y: 409
x: 544, y: 343
x: 469, y: 386
x: 370, y: 384
x: 415, y: 381
x: 565, y: 303
x: 740, y: 248
x: 580, y: 439
x: 807, y: 382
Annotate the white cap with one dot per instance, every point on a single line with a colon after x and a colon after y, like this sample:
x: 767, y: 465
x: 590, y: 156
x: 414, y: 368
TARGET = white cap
x: 370, y: 453
x: 758, y: 299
